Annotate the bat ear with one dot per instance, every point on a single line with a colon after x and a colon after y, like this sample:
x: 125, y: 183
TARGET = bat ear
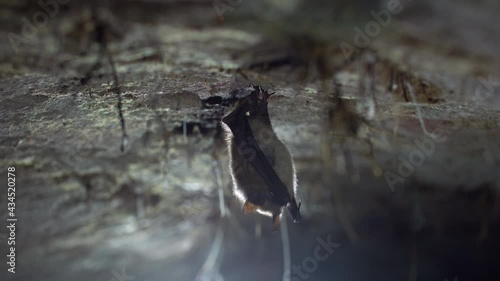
x: 249, y: 208
x: 264, y: 95
x: 276, y: 222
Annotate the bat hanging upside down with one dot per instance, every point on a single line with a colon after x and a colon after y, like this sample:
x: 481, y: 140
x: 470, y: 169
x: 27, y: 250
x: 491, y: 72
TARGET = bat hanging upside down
x: 261, y: 166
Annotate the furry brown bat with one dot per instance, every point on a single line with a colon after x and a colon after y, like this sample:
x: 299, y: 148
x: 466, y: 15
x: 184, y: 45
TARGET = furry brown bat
x: 261, y: 166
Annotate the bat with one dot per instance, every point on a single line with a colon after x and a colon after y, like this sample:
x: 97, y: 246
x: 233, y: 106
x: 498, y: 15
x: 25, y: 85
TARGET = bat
x: 261, y: 166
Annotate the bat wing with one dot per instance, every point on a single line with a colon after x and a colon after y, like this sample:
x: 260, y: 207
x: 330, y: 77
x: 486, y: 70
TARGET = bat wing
x: 237, y: 122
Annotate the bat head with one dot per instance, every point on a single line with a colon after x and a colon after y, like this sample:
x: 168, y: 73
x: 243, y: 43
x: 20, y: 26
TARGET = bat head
x: 256, y: 101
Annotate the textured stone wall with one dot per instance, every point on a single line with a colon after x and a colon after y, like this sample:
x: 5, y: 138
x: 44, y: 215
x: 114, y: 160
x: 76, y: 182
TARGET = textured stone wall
x: 424, y: 206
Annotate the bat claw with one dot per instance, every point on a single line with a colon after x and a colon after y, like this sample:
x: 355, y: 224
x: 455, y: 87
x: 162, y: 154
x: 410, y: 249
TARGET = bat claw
x: 249, y: 208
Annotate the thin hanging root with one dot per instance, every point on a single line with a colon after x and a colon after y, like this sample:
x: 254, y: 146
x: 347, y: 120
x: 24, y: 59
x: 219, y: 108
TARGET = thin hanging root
x: 376, y: 169
x: 91, y: 71
x: 370, y: 70
x: 103, y: 50
x: 116, y: 90
x: 285, y: 240
x: 349, y: 163
x: 327, y: 160
x: 396, y: 127
x: 393, y: 85
x: 209, y: 270
x: 218, y: 181
x: 165, y: 138
x: 370, y: 88
x: 184, y: 131
x: 100, y: 31
x: 336, y: 196
x: 417, y: 106
x: 344, y: 219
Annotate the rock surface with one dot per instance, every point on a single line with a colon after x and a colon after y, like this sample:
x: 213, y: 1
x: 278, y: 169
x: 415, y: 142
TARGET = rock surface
x: 87, y: 211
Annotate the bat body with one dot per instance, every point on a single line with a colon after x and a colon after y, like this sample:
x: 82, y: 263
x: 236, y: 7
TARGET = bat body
x: 261, y: 166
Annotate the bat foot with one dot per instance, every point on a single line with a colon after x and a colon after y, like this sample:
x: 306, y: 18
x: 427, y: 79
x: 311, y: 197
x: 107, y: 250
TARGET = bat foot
x: 249, y: 208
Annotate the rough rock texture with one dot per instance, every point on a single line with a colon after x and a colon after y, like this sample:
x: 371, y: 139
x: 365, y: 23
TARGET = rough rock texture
x: 87, y: 211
